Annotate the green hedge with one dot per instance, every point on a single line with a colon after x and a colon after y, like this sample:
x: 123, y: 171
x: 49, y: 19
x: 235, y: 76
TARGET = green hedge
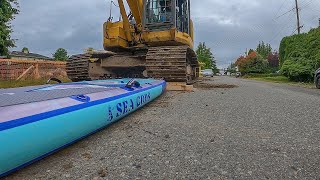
x: 300, y: 55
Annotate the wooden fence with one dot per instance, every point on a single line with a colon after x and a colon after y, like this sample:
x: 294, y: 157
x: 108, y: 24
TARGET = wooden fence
x: 28, y: 69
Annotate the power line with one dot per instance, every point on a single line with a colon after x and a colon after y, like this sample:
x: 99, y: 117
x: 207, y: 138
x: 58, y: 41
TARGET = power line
x: 285, y: 13
x: 284, y: 28
x: 294, y: 32
x: 282, y: 5
x: 306, y: 4
x: 287, y: 24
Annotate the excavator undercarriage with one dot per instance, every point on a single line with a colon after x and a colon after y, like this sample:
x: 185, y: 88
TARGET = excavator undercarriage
x: 172, y: 63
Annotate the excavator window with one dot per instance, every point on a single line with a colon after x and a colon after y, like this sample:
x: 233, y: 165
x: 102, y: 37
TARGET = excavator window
x: 165, y: 14
x: 159, y: 11
x: 159, y: 14
x: 182, y: 15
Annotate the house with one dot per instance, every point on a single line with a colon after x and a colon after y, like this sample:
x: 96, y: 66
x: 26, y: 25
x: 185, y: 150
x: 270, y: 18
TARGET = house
x: 26, y: 55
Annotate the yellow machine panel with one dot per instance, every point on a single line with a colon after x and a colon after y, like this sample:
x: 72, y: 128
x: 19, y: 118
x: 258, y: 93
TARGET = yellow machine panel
x: 114, y: 35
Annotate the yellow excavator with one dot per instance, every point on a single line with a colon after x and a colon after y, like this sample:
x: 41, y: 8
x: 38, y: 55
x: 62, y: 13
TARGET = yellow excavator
x: 154, y: 40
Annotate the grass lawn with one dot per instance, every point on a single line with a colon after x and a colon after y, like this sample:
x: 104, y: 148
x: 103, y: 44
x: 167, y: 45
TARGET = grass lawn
x: 279, y: 79
x: 24, y: 83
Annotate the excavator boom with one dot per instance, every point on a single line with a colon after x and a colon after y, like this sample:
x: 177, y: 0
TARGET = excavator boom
x: 126, y: 24
x: 136, y: 7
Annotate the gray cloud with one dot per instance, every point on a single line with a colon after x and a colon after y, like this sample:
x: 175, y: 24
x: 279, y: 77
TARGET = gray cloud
x: 228, y: 27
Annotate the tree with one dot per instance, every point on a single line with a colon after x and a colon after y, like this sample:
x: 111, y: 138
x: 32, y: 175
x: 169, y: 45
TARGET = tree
x: 232, y: 68
x: 264, y: 49
x: 205, y: 56
x: 60, y: 55
x: 273, y: 59
x: 8, y: 10
x: 25, y: 50
x: 253, y: 63
x: 250, y: 51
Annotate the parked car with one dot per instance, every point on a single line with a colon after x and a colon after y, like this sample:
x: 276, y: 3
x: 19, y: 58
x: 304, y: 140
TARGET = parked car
x: 238, y: 74
x: 317, y: 78
x: 207, y: 73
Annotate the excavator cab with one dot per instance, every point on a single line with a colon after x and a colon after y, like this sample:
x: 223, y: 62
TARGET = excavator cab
x: 167, y: 22
x: 162, y: 15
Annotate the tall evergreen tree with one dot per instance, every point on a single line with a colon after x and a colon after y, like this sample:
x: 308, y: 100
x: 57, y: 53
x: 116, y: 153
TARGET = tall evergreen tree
x: 264, y: 49
x: 250, y: 51
x: 8, y: 10
x: 205, y: 56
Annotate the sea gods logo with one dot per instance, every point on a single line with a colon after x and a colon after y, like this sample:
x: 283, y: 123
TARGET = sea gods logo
x: 125, y: 107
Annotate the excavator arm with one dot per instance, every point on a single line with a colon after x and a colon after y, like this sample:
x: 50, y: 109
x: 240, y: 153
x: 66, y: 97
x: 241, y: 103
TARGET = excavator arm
x: 126, y: 23
x: 136, y: 7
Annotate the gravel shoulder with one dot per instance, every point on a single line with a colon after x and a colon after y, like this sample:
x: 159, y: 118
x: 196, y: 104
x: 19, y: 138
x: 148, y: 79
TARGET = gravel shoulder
x: 253, y: 130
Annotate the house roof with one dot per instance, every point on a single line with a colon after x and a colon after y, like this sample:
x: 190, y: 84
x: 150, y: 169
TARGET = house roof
x: 29, y: 55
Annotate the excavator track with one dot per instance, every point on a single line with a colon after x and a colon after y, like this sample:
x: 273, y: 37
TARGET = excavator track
x: 172, y: 63
x: 106, y: 65
x: 78, y: 67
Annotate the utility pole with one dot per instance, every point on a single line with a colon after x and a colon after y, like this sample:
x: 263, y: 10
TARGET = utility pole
x: 298, y: 17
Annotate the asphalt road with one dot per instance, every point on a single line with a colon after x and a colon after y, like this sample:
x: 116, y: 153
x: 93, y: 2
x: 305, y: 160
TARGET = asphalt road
x: 254, y: 131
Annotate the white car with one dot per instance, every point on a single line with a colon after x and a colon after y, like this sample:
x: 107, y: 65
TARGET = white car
x: 207, y: 73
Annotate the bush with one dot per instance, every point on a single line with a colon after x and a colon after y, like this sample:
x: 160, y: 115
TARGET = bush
x: 300, y: 55
x: 253, y: 63
x: 296, y: 71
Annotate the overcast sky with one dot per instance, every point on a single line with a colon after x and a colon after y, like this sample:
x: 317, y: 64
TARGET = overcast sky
x: 227, y: 27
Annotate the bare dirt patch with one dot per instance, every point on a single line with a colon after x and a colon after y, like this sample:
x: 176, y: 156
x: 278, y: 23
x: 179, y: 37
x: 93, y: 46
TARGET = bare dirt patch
x: 206, y: 79
x: 203, y: 85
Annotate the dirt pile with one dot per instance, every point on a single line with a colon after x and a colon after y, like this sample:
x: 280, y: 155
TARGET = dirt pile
x: 203, y: 85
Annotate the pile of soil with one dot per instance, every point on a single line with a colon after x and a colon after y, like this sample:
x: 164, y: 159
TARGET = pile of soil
x: 203, y: 85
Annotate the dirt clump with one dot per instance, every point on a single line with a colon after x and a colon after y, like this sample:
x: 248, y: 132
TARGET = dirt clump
x: 203, y: 85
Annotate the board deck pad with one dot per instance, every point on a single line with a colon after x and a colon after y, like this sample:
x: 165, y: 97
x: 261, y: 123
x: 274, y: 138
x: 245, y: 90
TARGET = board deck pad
x: 15, y: 96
